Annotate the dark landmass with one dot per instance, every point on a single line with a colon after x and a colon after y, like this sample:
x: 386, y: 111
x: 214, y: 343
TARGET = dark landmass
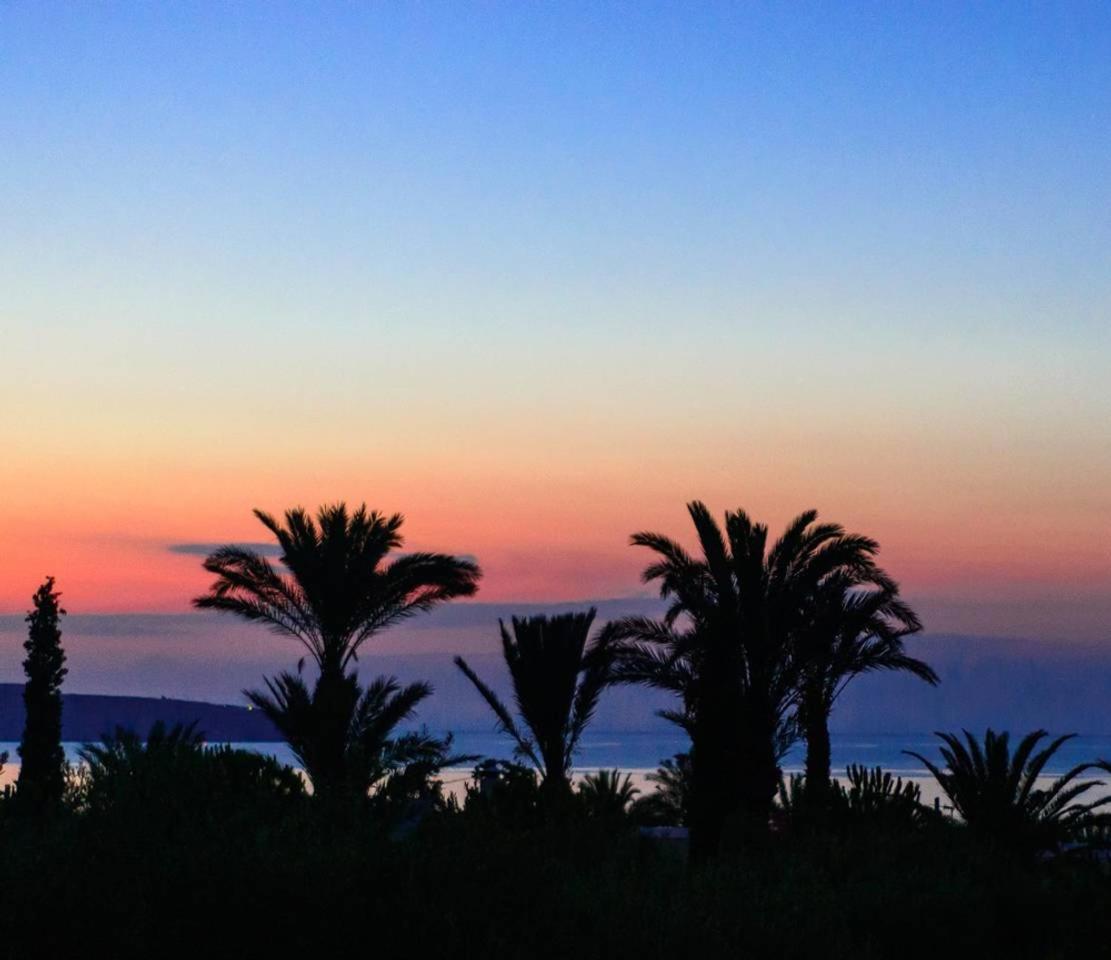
x: 86, y: 716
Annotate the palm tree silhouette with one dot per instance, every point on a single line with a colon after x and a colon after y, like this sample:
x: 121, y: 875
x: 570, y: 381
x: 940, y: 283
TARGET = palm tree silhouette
x: 996, y: 793
x: 337, y: 590
x: 726, y: 645
x: 669, y: 803
x: 557, y: 679
x: 854, y: 627
x: 342, y: 734
x: 606, y: 794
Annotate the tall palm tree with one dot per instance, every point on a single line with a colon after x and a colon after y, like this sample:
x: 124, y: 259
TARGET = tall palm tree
x: 727, y: 645
x: 996, y: 793
x: 337, y: 588
x: 557, y: 679
x: 850, y: 631
x: 342, y: 735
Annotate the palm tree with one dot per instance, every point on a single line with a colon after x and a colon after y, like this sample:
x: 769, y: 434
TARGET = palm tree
x: 557, y: 678
x: 996, y: 793
x: 851, y: 631
x: 336, y: 591
x: 342, y: 735
x: 669, y: 803
x: 606, y: 795
x: 726, y: 645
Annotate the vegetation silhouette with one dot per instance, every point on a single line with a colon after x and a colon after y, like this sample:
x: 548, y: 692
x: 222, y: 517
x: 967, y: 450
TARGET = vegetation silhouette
x: 43, y: 763
x: 856, y: 624
x: 995, y: 792
x: 868, y: 798
x: 728, y: 647
x: 757, y: 643
x: 557, y: 678
x: 338, y: 589
x: 669, y: 803
x: 607, y: 795
x: 343, y: 734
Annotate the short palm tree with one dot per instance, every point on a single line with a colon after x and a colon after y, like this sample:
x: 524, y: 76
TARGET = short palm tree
x: 342, y: 735
x: 850, y: 631
x: 996, y: 793
x: 557, y: 678
x: 337, y: 589
x: 727, y: 646
x: 669, y: 803
x: 606, y: 794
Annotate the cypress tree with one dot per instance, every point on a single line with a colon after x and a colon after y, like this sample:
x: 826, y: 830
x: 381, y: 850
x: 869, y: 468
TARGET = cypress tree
x: 42, y: 774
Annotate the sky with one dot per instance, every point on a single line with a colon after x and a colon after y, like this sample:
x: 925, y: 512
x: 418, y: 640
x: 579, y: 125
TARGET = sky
x: 536, y: 275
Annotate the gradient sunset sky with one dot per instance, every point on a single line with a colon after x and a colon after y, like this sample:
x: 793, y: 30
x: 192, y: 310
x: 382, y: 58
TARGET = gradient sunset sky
x: 535, y: 275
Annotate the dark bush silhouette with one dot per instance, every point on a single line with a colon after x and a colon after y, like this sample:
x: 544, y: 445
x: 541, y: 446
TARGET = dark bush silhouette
x: 43, y: 762
x: 557, y: 679
x: 504, y: 793
x: 171, y: 778
x: 868, y: 798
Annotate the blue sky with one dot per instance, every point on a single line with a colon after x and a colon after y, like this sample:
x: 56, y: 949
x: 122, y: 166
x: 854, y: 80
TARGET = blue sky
x: 537, y: 274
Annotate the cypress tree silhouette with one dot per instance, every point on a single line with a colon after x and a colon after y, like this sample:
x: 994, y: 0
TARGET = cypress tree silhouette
x: 42, y: 774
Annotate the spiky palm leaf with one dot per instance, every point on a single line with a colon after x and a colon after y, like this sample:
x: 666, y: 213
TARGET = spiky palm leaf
x: 995, y: 791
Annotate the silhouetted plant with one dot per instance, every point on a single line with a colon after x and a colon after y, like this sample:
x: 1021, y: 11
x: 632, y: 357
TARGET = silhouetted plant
x: 669, y: 803
x: 606, y: 794
x: 43, y: 762
x: 856, y: 625
x: 874, y: 792
x: 868, y: 797
x: 171, y: 775
x: 727, y: 646
x: 505, y: 792
x: 342, y: 735
x: 337, y: 591
x: 996, y: 793
x: 557, y: 679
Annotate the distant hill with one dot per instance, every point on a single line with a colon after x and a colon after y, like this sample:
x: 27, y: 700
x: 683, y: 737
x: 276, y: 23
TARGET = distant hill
x: 86, y: 716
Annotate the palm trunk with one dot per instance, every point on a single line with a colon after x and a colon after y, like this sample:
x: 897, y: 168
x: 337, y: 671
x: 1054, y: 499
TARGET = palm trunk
x: 815, y: 719
x: 717, y: 763
x: 817, y: 759
x: 760, y: 767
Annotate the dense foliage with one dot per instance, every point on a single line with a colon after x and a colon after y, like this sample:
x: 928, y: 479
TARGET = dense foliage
x: 159, y: 845
x: 136, y: 870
